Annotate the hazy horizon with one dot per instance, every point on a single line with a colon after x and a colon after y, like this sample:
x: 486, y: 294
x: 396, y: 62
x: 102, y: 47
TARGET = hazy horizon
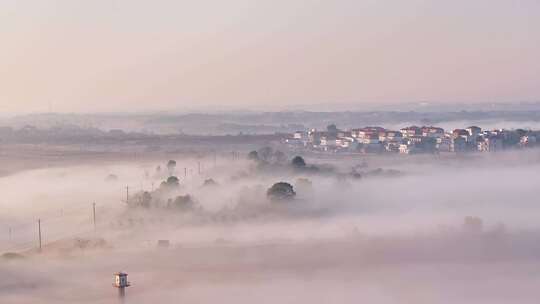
x: 103, y: 56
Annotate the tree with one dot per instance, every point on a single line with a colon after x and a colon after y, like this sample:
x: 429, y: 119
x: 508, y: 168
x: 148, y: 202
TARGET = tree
x: 281, y: 192
x: 332, y: 129
x: 146, y: 199
x: 209, y: 183
x: 171, y: 182
x: 298, y: 162
x: 183, y: 202
x: 253, y: 155
x: 141, y: 199
x: 280, y: 157
x: 265, y: 154
x: 171, y: 166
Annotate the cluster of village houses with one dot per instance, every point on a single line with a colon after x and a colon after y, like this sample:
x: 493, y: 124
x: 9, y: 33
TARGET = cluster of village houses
x: 412, y: 140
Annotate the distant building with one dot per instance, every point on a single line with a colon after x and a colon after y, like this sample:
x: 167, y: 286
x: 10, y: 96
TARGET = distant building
x: 392, y: 146
x: 390, y: 136
x: 527, y: 141
x: 404, y: 149
x: 474, y: 131
x: 444, y: 144
x: 328, y: 142
x: 370, y: 139
x: 299, y: 135
x: 490, y: 143
x: 411, y: 140
x: 314, y: 136
x: 344, y: 134
x: 458, y: 144
x: 411, y: 131
x: 433, y: 132
x: 346, y: 142
x: 367, y: 131
x: 460, y: 133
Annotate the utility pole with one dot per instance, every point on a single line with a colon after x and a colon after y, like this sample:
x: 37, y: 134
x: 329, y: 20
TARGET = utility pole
x: 185, y: 172
x: 127, y: 194
x: 199, y: 166
x: 39, y: 233
x: 10, y: 234
x: 94, y: 214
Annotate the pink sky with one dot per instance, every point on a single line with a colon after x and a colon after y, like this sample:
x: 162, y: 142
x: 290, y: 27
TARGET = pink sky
x: 106, y: 55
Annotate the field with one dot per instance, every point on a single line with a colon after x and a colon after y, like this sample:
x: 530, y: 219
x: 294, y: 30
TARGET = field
x: 425, y: 229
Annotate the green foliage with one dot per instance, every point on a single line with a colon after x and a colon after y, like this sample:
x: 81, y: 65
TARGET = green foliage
x: 268, y: 155
x: 171, y: 166
x: 281, y: 192
x: 253, y: 155
x: 171, y: 182
x: 12, y: 256
x: 182, y: 202
x: 279, y: 157
x: 141, y: 199
x: 298, y: 162
x: 265, y: 154
x: 146, y: 199
x: 332, y: 129
x: 209, y: 183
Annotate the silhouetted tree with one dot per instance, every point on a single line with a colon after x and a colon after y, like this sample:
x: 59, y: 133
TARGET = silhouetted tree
x: 146, y: 199
x: 183, y: 202
x: 281, y: 192
x: 265, y: 154
x: 280, y: 157
x: 332, y: 129
x: 253, y: 155
x: 171, y: 182
x: 141, y: 199
x: 298, y: 162
x: 209, y: 182
x: 171, y: 166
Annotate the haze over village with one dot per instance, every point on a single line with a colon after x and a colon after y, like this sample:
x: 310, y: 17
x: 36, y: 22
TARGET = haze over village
x: 412, y: 140
x: 242, y: 151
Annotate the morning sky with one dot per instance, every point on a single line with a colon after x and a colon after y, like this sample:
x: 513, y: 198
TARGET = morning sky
x: 134, y: 55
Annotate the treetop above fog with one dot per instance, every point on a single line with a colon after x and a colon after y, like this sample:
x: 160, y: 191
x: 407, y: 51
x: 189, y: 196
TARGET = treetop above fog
x: 281, y: 191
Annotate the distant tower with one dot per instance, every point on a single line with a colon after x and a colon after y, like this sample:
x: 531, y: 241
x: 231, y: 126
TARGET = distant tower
x: 121, y: 282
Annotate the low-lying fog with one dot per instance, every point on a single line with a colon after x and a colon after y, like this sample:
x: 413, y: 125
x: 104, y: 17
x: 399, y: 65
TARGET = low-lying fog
x: 425, y: 229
